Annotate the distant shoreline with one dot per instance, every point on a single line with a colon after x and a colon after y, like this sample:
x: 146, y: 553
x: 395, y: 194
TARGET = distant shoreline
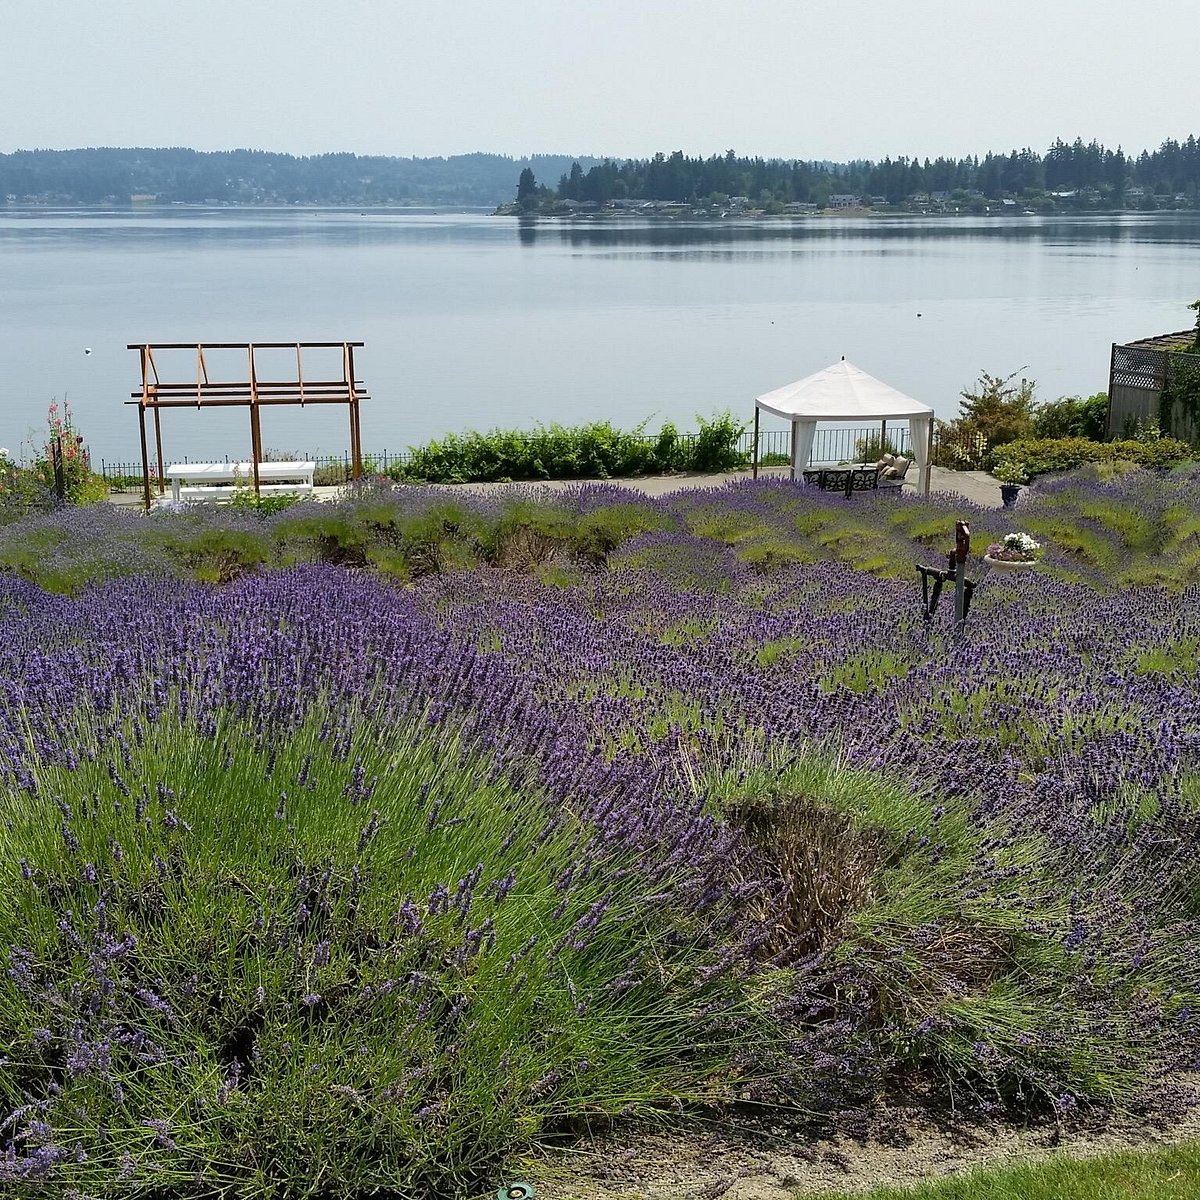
x: 830, y: 214
x: 510, y: 210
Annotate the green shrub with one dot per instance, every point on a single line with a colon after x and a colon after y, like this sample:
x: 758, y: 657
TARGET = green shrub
x: 1074, y: 417
x: 244, y: 498
x: 34, y: 488
x: 998, y: 411
x: 714, y: 448
x: 215, y: 555
x: 597, y: 533
x: 593, y: 451
x: 1042, y: 456
x: 528, y: 534
x: 328, y: 534
x: 1179, y: 400
x: 330, y: 475
x: 444, y: 536
x: 863, y: 866
x: 124, y: 483
x: 21, y: 491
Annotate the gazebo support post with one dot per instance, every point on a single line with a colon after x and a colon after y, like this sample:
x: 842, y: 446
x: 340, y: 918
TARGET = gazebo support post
x: 145, y: 457
x: 882, y: 438
x: 929, y: 457
x: 754, y: 450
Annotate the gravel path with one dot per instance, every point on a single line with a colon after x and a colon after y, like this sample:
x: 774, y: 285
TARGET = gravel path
x: 977, y: 486
x: 752, y: 1159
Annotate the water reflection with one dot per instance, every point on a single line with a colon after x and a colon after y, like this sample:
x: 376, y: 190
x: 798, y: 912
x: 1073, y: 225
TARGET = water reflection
x: 607, y: 234
x: 238, y: 226
x: 527, y: 230
x: 152, y: 228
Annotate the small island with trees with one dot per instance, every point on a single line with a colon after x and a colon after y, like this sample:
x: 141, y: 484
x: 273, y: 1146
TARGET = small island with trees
x: 1074, y: 177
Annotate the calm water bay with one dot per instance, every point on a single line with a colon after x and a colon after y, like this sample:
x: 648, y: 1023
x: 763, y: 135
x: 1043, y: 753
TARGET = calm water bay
x: 472, y: 321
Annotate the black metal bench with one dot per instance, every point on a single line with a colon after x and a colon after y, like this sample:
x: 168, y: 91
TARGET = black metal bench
x: 846, y: 480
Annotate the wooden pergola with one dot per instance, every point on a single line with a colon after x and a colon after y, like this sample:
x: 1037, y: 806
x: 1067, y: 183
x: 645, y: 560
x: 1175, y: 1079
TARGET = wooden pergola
x: 250, y: 392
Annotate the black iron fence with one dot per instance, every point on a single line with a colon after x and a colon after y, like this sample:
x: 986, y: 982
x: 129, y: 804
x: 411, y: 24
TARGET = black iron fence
x: 831, y: 445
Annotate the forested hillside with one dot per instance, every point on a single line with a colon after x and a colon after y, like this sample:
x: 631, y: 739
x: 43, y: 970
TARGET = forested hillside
x: 98, y: 176
x: 1170, y: 171
x: 1170, y: 174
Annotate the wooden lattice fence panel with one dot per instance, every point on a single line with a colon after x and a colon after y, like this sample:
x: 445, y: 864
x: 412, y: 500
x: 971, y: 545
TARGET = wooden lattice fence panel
x: 1137, y: 367
x: 1136, y: 380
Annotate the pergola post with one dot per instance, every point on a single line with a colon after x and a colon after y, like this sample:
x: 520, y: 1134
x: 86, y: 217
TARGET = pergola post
x: 355, y: 427
x: 255, y: 427
x: 145, y: 457
x: 754, y: 452
x: 162, y: 483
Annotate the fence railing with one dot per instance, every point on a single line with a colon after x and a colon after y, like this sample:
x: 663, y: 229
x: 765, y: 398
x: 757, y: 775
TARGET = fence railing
x: 774, y: 445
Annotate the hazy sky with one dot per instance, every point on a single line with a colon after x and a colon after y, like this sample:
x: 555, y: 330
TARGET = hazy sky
x: 836, y: 79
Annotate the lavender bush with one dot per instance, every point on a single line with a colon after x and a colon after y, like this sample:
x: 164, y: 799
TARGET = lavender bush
x: 313, y: 883
x: 275, y: 872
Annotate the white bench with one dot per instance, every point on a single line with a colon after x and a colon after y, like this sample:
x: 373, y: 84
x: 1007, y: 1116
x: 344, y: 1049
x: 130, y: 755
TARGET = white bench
x: 222, y: 481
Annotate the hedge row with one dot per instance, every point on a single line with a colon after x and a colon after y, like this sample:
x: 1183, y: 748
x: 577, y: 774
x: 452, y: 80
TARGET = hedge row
x: 1041, y: 456
x: 593, y: 451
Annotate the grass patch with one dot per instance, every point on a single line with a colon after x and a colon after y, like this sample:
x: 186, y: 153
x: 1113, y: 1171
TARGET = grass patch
x: 1171, y: 1174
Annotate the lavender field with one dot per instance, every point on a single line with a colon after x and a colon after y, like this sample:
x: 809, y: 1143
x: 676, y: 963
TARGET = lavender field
x: 357, y: 848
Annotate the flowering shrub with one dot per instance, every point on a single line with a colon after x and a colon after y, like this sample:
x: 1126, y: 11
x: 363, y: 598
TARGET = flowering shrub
x: 65, y: 454
x: 1015, y: 547
x: 1010, y: 472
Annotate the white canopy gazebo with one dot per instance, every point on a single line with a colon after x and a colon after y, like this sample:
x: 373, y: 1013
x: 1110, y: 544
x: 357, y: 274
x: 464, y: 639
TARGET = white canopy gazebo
x: 844, y: 392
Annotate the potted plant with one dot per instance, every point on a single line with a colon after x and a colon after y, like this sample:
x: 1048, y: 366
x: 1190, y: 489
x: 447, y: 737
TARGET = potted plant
x: 1010, y: 475
x: 1015, y: 552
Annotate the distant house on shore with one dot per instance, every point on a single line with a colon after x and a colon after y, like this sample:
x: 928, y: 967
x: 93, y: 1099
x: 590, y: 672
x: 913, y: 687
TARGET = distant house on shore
x: 842, y: 200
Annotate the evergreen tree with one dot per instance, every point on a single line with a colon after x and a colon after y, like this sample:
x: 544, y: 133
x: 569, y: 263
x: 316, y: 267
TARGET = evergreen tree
x: 527, y: 190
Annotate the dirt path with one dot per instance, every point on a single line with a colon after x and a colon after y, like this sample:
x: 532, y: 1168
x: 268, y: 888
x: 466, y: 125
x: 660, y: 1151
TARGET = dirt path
x: 755, y: 1161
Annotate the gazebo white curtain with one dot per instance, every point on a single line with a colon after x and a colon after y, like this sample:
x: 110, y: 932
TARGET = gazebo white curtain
x: 920, y: 433
x: 804, y: 433
x: 844, y: 392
